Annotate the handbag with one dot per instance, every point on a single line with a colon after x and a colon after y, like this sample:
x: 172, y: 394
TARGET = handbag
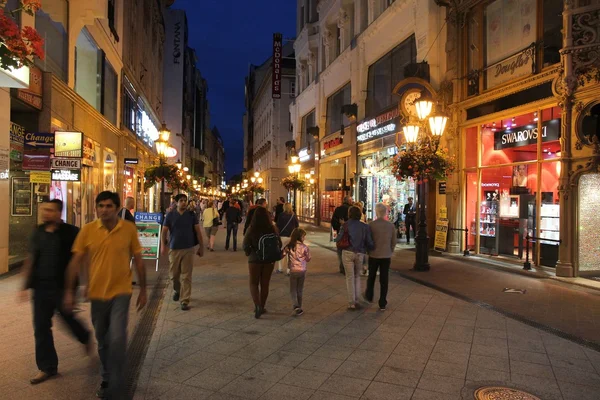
x: 344, y: 241
x: 216, y: 221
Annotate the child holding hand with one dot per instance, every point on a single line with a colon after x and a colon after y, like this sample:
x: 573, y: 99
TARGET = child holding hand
x: 298, y: 255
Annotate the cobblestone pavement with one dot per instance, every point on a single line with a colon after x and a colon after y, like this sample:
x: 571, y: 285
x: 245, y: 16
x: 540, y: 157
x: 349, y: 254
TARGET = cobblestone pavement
x: 79, y: 375
x: 427, y: 345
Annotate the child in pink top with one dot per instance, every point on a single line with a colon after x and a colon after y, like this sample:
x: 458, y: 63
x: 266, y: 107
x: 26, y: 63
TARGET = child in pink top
x: 298, y: 255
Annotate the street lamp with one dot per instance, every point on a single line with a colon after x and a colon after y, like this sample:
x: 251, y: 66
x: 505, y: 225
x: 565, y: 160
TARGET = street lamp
x: 179, y: 164
x: 436, y: 128
x: 162, y: 148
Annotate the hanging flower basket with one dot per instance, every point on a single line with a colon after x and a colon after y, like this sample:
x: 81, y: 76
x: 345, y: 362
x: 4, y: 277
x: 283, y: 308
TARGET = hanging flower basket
x: 423, y: 164
x: 18, y: 46
x: 154, y: 175
x: 293, y: 183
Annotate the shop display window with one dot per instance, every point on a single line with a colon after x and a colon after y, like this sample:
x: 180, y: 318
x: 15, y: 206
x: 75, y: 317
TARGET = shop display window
x: 509, y: 140
x: 471, y: 209
x: 551, y: 119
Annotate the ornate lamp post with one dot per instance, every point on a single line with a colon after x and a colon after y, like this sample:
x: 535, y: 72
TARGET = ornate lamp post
x: 294, y: 168
x: 162, y: 148
x: 421, y: 132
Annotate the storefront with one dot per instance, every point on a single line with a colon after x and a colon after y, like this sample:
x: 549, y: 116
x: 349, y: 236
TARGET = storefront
x: 335, y: 168
x: 512, y: 167
x: 306, y: 201
x: 376, y: 149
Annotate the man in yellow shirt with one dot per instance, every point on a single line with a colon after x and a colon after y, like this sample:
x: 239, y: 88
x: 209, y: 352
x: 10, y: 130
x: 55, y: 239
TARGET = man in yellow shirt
x: 110, y: 243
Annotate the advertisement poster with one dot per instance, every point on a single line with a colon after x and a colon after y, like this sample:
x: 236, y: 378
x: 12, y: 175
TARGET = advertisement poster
x: 68, y: 144
x: 441, y: 234
x: 149, y: 236
x: 58, y: 190
x: 22, y: 197
x: 17, y: 136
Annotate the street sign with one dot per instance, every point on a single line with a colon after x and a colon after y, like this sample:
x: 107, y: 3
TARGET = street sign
x: 37, y: 150
x: 66, y: 163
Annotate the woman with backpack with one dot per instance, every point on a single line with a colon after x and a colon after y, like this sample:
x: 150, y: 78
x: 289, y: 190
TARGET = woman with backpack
x: 286, y: 223
x: 354, y: 239
x: 298, y: 255
x: 262, y: 245
x: 211, y: 224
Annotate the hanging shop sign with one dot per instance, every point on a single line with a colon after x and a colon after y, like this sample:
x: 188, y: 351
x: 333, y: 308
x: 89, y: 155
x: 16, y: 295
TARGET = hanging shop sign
x: 40, y: 177
x: 441, y: 234
x: 526, y: 135
x: 303, y: 155
x: 36, y: 151
x: 91, y: 152
x: 66, y: 163
x: 17, y: 137
x: 68, y: 144
x: 33, y: 95
x: 277, y: 57
x: 381, y: 125
x: 330, y: 144
x: 66, y: 175
x: 131, y: 161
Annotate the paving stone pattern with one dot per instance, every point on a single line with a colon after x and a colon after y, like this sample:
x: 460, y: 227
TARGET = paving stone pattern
x: 427, y: 345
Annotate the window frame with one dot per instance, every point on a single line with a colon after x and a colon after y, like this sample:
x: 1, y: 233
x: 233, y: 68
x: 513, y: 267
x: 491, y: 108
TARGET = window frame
x: 330, y: 112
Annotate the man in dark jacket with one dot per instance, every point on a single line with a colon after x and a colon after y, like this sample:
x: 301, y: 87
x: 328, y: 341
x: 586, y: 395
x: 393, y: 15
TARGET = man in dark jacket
x: 125, y: 212
x: 410, y: 219
x: 44, y: 272
x: 259, y: 203
x: 279, y: 208
x: 233, y: 215
x: 340, y: 215
x: 226, y: 204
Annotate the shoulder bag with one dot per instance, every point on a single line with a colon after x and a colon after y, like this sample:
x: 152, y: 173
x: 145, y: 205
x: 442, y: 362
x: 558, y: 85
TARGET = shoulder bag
x: 344, y: 241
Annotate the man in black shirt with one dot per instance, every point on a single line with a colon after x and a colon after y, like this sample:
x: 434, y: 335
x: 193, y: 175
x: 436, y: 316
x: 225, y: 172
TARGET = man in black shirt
x: 44, y: 272
x: 410, y: 219
x: 125, y: 213
x: 279, y: 208
x: 340, y: 215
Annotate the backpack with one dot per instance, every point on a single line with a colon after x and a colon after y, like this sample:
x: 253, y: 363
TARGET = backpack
x: 269, y: 249
x: 344, y: 241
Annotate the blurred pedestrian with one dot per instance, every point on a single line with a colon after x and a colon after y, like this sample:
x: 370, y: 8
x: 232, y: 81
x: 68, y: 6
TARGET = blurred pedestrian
x: 211, y: 224
x: 259, y: 203
x: 44, y: 273
x: 233, y: 216
x: 286, y: 223
x: 279, y: 209
x: 262, y: 245
x: 380, y: 257
x: 354, y: 239
x: 340, y: 216
x: 108, y: 243
x: 410, y: 219
x: 126, y: 213
x: 298, y: 255
x: 180, y: 235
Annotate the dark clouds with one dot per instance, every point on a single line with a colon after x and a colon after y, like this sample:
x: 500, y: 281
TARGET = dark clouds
x: 228, y: 36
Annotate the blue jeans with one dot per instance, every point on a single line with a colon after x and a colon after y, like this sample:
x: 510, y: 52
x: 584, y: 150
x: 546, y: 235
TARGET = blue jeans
x: 231, y: 227
x: 109, y: 318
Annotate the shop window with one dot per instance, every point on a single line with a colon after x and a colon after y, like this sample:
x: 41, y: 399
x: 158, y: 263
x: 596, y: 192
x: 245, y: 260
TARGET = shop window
x: 510, y: 140
x: 471, y: 147
x: 109, y: 93
x: 128, y: 118
x: 112, y: 17
x: 335, y: 118
x: 471, y: 209
x: 589, y: 220
x: 308, y: 121
x: 551, y: 126
x: 53, y: 29
x: 88, y: 70
x: 386, y: 72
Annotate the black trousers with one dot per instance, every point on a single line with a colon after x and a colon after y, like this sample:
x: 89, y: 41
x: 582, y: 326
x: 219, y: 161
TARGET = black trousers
x: 383, y: 265
x: 410, y: 223
x: 231, y: 228
x: 45, y: 303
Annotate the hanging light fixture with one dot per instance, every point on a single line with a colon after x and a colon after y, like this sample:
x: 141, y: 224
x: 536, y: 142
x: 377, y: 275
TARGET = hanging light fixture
x: 411, y: 133
x: 252, y: 179
x: 260, y: 180
x: 423, y: 106
x: 437, y: 124
x: 179, y: 164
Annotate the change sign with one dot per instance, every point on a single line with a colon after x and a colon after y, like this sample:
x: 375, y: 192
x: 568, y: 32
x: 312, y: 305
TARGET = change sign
x: 148, y: 227
x: 37, y: 150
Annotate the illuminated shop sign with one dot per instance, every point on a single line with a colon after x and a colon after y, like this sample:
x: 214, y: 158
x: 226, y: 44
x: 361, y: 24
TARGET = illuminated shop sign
x: 526, y: 135
x: 303, y: 155
x: 332, y: 143
x: 66, y: 175
x: 379, y: 126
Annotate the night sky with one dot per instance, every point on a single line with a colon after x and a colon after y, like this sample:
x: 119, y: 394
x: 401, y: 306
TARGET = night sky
x: 228, y: 36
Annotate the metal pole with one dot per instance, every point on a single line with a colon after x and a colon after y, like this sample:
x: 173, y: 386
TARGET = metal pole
x: 162, y: 196
x: 527, y: 264
x: 466, y: 252
x: 422, y: 241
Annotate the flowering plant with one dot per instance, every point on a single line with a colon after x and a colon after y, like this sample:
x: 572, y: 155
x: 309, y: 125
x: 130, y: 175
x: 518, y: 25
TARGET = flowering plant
x: 293, y: 183
x: 19, y: 46
x: 167, y: 172
x: 426, y: 162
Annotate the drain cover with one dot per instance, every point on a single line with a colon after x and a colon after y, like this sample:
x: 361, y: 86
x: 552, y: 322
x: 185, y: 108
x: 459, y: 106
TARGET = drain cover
x: 502, y: 393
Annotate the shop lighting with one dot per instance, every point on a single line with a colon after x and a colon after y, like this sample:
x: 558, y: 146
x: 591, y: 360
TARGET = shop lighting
x: 411, y: 133
x: 535, y: 116
x: 368, y: 162
x: 195, y: 182
x: 306, y: 176
x: 312, y: 181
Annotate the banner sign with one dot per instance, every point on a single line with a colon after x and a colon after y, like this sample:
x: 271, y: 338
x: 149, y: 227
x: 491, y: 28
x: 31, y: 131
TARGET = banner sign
x: 17, y: 137
x: 66, y: 163
x: 41, y: 177
x: 132, y: 161
x: 66, y: 175
x: 148, y: 227
x: 526, y: 135
x: 37, y: 150
x: 90, y: 152
x: 68, y: 144
x: 277, y: 57
x: 372, y: 128
x: 441, y: 234
x: 33, y: 95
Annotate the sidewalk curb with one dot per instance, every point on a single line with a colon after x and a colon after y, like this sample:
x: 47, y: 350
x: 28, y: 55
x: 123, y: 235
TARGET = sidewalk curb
x: 586, y: 343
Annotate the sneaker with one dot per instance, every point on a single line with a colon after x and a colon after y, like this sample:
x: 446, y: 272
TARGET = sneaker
x: 101, y: 392
x: 175, y: 296
x: 42, y: 376
x: 381, y: 308
x: 299, y: 311
x: 352, y: 307
x: 185, y: 306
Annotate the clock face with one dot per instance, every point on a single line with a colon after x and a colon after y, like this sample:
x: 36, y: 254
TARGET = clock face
x: 408, y: 101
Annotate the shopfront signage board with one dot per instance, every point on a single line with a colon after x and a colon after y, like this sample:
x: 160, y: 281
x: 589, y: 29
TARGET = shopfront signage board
x: 526, y: 135
x: 303, y: 155
x: 33, y: 95
x: 149, y: 226
x: 383, y: 124
x: 277, y: 68
x: 40, y: 177
x: 68, y: 144
x: 66, y: 163
x: 442, y: 188
x: 441, y: 234
x: 66, y: 175
x: 17, y: 136
x: 131, y: 161
x: 332, y: 143
x: 37, y: 150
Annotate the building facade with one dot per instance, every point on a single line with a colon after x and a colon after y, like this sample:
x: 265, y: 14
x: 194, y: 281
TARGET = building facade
x: 350, y: 57
x: 267, y: 124
x: 525, y: 127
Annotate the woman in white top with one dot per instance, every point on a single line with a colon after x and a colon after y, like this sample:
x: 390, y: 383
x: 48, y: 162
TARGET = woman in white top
x: 210, y: 228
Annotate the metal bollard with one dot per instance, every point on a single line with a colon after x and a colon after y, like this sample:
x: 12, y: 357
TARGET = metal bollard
x: 466, y: 252
x: 527, y: 264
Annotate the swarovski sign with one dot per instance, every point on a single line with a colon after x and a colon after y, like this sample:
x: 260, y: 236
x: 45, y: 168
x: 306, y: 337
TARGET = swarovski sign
x: 526, y: 135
